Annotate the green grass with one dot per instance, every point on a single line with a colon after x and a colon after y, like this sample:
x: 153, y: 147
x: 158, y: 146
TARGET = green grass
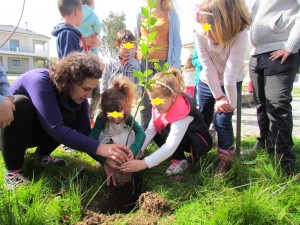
x: 248, y: 194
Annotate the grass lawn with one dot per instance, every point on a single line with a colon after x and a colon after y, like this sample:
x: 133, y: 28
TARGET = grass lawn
x: 249, y: 194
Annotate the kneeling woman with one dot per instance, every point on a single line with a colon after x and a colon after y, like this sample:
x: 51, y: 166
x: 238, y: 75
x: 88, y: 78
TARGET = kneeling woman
x: 176, y: 126
x: 52, y: 109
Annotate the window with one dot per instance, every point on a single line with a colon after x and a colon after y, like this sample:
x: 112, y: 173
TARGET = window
x: 14, y: 45
x: 15, y: 62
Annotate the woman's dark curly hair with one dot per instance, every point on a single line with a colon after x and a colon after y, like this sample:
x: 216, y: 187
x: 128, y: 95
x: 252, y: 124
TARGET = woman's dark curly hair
x: 73, y: 69
x: 117, y: 98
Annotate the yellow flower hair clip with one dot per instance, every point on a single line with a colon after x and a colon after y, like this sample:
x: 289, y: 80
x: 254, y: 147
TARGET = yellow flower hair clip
x: 206, y: 27
x: 114, y: 114
x: 128, y: 45
x: 157, y: 101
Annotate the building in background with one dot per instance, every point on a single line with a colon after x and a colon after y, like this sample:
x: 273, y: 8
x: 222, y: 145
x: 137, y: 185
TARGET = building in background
x: 25, y: 50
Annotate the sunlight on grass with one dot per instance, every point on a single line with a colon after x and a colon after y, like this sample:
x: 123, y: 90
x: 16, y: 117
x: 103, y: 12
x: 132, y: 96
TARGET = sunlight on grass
x: 248, y: 194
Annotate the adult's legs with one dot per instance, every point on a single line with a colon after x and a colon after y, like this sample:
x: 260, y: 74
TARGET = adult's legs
x: 279, y: 80
x: 206, y: 103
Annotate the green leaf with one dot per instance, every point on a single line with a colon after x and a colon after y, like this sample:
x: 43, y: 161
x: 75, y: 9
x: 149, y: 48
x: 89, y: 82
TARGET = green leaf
x: 151, y: 21
x: 153, y: 60
x: 144, y: 50
x: 138, y: 74
x: 152, y: 49
x: 145, y: 12
x: 152, y: 36
x: 152, y: 3
x: 157, y: 67
x: 166, y: 66
x: 148, y: 73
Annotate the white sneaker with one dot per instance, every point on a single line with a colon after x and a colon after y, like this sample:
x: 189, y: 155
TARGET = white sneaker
x: 177, y: 166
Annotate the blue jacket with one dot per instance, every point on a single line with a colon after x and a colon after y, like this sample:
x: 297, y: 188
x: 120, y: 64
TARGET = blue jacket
x: 68, y: 39
x: 175, y: 45
x: 90, y: 23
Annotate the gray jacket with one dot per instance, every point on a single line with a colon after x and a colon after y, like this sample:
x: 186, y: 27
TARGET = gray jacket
x: 114, y: 68
x: 275, y: 25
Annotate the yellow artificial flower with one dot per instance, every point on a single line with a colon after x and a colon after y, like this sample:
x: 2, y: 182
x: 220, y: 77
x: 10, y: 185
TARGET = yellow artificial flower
x: 206, y: 27
x: 128, y: 45
x: 115, y: 114
x: 157, y: 101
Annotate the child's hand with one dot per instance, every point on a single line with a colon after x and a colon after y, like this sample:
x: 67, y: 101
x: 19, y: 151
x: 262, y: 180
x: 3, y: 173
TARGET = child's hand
x: 133, y: 166
x: 130, y: 156
x: 110, y: 173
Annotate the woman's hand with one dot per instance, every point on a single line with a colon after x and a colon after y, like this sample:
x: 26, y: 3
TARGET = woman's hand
x: 133, y: 166
x: 6, y: 112
x: 222, y: 105
x: 110, y: 173
x: 280, y: 53
x: 118, y: 153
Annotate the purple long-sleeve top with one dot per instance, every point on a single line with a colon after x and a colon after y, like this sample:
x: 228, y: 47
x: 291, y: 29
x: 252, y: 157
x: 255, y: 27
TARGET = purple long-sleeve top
x: 36, y: 85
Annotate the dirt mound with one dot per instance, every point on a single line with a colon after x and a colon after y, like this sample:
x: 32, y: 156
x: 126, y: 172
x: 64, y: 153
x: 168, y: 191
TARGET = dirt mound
x: 153, y: 203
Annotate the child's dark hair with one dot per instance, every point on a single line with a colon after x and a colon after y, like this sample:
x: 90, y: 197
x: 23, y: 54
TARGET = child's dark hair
x: 189, y: 65
x: 87, y: 2
x: 124, y: 36
x: 66, y: 7
x: 117, y: 98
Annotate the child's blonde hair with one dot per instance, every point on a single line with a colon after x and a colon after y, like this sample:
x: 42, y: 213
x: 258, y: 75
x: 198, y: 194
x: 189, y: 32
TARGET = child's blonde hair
x: 227, y: 18
x: 189, y: 65
x: 168, y: 82
x: 165, y: 5
x: 117, y: 98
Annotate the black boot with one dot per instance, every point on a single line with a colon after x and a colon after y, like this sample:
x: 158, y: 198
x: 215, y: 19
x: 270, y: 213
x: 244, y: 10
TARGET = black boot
x: 260, y: 144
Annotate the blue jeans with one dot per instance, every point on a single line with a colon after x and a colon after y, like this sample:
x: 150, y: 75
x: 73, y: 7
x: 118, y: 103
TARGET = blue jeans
x: 272, y: 87
x: 222, y: 121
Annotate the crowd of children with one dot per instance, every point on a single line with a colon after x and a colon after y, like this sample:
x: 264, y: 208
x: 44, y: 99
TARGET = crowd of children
x: 179, y: 105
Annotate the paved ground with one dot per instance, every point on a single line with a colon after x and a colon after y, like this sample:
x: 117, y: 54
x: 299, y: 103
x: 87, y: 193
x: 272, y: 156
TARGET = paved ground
x: 249, y: 125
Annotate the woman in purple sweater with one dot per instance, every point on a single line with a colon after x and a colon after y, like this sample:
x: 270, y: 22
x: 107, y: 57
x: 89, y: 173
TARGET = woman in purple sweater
x: 52, y: 109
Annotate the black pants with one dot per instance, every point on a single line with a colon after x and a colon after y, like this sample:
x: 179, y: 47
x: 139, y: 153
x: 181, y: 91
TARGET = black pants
x: 191, y: 142
x: 26, y: 132
x: 273, y: 84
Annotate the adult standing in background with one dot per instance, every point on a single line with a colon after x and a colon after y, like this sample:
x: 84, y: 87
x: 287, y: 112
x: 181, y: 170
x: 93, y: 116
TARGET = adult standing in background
x: 169, y: 41
x: 275, y: 38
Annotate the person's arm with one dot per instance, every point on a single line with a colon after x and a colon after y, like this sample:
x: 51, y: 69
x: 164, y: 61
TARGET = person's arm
x: 209, y: 74
x: 106, y: 76
x: 178, y: 130
x: 139, y: 135
x: 95, y: 133
x: 234, y: 65
x: 176, y: 46
x: 97, y: 26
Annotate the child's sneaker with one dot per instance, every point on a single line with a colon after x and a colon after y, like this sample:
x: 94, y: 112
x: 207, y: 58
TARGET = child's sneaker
x: 14, y: 180
x: 48, y: 160
x: 177, y: 166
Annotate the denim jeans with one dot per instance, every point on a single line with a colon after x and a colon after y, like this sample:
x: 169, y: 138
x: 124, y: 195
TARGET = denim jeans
x: 222, y: 121
x: 273, y: 84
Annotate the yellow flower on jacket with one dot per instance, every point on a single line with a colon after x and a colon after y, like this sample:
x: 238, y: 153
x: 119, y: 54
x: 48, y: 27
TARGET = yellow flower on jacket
x: 114, y: 114
x: 206, y: 27
x: 157, y: 101
x: 128, y: 45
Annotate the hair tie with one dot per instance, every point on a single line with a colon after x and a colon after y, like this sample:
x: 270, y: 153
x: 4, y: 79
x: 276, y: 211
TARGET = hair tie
x: 165, y: 85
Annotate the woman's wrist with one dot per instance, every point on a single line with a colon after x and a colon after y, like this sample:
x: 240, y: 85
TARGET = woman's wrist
x: 223, y: 96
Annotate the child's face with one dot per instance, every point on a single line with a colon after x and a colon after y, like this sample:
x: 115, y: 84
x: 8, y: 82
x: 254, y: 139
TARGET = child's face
x: 167, y: 100
x: 118, y: 119
x: 125, y: 52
